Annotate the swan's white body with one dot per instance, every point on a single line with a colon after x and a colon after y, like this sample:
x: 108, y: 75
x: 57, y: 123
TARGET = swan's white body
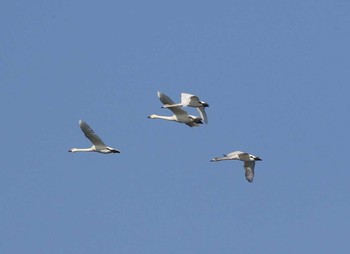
x: 97, y: 143
x: 180, y: 115
x: 190, y: 100
x: 249, y: 162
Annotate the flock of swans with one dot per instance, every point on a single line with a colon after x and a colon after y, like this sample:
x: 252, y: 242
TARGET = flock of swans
x: 181, y: 116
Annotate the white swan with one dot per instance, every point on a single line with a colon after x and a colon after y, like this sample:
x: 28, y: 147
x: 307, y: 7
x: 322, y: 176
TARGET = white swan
x: 180, y: 115
x: 249, y: 162
x: 190, y: 100
x: 98, y: 145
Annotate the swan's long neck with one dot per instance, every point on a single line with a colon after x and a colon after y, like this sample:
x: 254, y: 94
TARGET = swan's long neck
x: 223, y: 158
x: 73, y: 150
x: 168, y: 118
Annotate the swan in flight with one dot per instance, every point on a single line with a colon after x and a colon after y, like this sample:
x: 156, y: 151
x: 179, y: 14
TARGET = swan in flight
x: 249, y: 162
x: 97, y: 143
x: 190, y: 100
x: 180, y: 115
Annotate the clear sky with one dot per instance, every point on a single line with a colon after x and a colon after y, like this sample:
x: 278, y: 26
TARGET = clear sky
x: 276, y: 75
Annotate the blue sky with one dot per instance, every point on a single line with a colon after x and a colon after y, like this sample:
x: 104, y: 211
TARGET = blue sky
x: 276, y: 77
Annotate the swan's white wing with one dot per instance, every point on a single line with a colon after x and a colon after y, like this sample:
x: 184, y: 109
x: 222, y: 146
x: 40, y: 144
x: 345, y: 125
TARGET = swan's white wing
x: 244, y: 156
x: 186, y: 99
x: 192, y: 101
x: 232, y: 154
x: 249, y: 170
x: 177, y: 110
x: 202, y: 113
x: 165, y: 99
x: 91, y: 135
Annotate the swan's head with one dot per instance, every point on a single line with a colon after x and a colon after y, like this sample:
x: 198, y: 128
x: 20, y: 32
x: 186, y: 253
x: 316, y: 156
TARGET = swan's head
x: 152, y: 116
x: 72, y: 150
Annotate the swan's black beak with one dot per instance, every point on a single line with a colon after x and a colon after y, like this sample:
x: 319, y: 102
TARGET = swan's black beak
x: 70, y: 150
x: 205, y: 104
x: 258, y: 159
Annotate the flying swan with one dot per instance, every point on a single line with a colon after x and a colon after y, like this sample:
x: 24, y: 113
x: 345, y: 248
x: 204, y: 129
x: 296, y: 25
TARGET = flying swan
x: 180, y: 115
x: 190, y: 100
x: 97, y: 143
x: 249, y: 162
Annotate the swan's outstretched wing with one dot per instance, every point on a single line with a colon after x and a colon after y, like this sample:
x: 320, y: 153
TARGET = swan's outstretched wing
x: 249, y: 170
x: 192, y: 101
x: 91, y: 135
x: 165, y: 99
x: 236, y: 153
x: 177, y: 110
x: 187, y: 98
x: 202, y: 113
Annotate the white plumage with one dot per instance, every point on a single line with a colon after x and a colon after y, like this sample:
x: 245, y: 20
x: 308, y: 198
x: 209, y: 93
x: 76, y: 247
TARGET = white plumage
x: 190, y: 100
x: 180, y: 115
x: 248, y: 159
x: 97, y: 143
